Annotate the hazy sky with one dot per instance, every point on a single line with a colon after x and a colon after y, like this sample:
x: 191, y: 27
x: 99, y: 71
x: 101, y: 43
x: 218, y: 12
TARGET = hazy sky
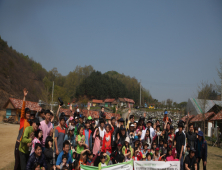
x: 170, y: 45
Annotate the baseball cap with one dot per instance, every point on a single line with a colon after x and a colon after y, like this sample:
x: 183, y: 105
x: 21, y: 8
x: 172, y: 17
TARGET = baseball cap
x: 119, y: 144
x: 89, y: 118
x: 200, y: 133
x: 165, y: 112
x: 71, y: 118
x: 77, y: 110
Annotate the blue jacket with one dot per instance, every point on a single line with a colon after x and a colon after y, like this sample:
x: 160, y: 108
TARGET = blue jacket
x: 59, y: 158
x: 33, y: 159
x: 203, y: 150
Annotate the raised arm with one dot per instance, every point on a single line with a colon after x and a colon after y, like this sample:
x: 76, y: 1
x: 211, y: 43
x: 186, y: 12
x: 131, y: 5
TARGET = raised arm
x: 57, y: 114
x: 25, y: 92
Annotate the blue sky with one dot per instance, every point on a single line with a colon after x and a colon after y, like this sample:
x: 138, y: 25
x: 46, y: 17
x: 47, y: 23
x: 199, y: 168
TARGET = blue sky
x: 170, y: 45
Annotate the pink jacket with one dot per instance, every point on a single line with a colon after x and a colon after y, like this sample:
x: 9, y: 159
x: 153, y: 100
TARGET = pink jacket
x: 96, y: 146
x: 170, y: 158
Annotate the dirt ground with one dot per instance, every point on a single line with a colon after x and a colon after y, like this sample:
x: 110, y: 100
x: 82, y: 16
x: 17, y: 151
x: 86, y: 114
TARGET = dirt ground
x: 8, y: 133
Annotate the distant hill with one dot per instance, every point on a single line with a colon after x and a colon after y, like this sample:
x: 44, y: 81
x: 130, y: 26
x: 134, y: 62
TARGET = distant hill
x: 16, y: 72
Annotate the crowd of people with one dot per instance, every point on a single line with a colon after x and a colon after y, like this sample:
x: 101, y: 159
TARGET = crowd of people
x: 83, y: 140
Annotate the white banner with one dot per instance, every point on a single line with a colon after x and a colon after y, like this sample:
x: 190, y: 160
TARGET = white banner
x: 153, y: 165
x: 123, y: 166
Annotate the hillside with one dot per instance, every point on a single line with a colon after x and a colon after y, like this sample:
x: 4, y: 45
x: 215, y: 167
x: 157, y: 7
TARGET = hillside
x: 16, y: 72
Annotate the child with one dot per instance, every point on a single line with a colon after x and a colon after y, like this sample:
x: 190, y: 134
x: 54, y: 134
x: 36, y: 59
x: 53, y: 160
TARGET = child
x: 128, y: 156
x: 156, y: 155
x: 80, y: 139
x: 169, y: 155
x: 148, y: 138
x: 164, y: 148
x: 104, y: 158
x: 137, y: 155
x: 160, y: 143
x: 115, y: 156
x: 37, y: 139
x: 162, y: 157
x: 36, y: 166
x: 145, y: 148
x: 174, y: 151
x: 144, y: 158
x: 127, y: 147
x: 75, y: 165
x: 91, y: 159
x: 83, y: 157
x: 97, y: 141
x: 149, y: 157
x: 73, y: 155
x: 31, y: 136
x: 64, y: 161
x: 187, y: 151
x: 107, y: 147
x: 171, y: 136
x: 158, y: 133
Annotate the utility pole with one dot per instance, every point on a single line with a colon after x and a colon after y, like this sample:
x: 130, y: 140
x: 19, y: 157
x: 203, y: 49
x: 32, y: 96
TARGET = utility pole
x: 221, y: 91
x: 140, y: 92
x: 52, y: 94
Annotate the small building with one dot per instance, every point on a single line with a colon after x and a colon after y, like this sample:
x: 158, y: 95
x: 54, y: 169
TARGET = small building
x: 217, y: 119
x: 114, y: 103
x: 121, y: 102
x: 196, y: 106
x: 108, y: 102
x: 129, y: 102
x: 96, y: 102
x: 14, y: 106
x: 198, y: 119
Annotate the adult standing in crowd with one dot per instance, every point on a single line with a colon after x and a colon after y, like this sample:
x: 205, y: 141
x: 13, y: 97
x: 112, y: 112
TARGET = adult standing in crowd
x: 24, y: 122
x: 26, y: 142
x: 180, y: 142
x: 46, y: 127
x: 201, y: 150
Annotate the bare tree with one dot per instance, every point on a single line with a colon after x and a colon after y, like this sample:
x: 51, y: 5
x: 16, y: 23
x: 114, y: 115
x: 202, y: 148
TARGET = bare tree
x: 219, y: 73
x: 204, y: 91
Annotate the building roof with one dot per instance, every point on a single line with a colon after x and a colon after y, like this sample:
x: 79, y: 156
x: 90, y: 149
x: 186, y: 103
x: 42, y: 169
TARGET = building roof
x: 121, y: 100
x: 218, y: 116
x: 109, y: 100
x: 185, y: 118
x: 129, y: 100
x: 114, y: 102
x: 17, y: 104
x: 199, y: 117
x: 195, y: 106
x: 97, y: 101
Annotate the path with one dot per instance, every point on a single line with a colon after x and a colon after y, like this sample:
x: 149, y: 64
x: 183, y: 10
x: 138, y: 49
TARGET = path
x: 8, y: 133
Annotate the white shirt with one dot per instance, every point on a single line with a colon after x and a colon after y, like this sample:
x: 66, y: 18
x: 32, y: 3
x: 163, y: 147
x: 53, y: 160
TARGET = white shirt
x: 101, y: 132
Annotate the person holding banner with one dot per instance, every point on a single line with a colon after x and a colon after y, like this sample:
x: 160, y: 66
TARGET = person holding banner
x: 104, y: 160
x: 190, y: 160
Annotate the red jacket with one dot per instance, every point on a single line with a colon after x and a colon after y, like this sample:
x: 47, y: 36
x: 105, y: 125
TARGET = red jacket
x: 107, y: 144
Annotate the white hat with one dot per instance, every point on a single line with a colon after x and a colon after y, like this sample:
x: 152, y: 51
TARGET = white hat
x: 77, y: 110
x: 132, y: 125
x: 127, y: 139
